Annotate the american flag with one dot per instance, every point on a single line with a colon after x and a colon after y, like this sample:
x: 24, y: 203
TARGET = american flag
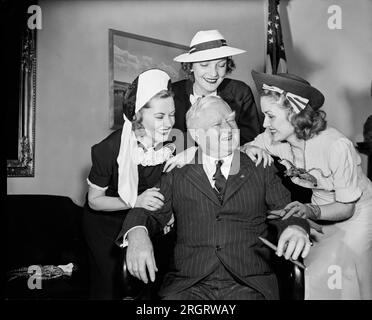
x: 275, y: 57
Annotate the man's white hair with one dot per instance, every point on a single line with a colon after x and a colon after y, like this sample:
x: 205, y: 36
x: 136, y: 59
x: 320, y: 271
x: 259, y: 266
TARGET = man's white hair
x: 192, y: 115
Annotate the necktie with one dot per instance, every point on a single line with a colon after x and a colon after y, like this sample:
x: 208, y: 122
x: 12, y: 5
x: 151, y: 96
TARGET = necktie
x: 219, y: 179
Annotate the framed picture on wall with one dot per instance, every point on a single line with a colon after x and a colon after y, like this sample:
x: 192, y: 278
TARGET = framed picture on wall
x: 129, y: 55
x: 19, y: 97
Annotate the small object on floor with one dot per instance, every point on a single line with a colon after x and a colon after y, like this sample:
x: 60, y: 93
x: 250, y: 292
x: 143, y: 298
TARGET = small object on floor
x: 46, y: 272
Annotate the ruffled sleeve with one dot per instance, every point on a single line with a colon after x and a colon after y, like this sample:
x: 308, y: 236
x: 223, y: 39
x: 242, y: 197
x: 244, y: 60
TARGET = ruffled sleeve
x: 343, y: 162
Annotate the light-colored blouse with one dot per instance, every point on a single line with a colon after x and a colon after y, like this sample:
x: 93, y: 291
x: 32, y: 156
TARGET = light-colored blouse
x: 330, y: 157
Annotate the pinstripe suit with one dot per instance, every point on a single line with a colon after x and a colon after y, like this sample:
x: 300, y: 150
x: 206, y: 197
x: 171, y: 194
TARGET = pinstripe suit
x: 210, y: 233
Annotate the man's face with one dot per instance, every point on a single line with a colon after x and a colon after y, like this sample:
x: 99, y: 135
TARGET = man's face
x: 217, y: 133
x: 208, y: 75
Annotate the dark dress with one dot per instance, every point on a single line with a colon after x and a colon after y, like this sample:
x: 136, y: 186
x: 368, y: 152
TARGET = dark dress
x: 102, y: 227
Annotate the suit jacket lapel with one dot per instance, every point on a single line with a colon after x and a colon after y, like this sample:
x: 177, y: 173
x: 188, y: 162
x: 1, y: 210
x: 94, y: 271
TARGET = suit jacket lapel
x: 239, y: 174
x: 197, y: 176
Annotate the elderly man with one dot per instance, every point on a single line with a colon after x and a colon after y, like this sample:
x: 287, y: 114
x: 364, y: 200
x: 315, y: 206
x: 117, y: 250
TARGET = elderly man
x: 219, y: 203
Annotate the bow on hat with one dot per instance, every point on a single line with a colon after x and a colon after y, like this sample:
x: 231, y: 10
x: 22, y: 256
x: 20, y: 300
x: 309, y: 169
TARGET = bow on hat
x: 297, y: 91
x: 298, y: 103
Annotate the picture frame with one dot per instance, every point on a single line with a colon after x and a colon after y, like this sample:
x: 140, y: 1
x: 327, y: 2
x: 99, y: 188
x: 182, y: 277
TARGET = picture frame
x: 20, y: 92
x: 129, y: 55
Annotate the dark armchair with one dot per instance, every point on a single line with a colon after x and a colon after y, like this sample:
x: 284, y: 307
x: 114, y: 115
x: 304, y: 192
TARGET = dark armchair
x: 290, y: 276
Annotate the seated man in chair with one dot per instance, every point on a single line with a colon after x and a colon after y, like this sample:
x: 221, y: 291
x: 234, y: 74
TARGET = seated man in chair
x: 220, y: 203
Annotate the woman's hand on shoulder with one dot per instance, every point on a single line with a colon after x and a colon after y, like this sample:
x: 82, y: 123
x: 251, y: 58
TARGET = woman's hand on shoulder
x: 180, y: 159
x: 257, y: 155
x: 151, y: 199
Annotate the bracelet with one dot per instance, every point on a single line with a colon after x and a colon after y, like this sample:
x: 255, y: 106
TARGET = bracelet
x: 315, y: 211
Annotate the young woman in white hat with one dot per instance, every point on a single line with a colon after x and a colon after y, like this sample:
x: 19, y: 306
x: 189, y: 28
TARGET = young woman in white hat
x: 323, y: 159
x: 207, y: 64
x: 126, y: 165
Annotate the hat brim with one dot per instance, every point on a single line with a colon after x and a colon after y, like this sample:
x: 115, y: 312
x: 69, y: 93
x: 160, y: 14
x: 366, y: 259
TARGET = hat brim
x: 316, y: 98
x: 209, y: 54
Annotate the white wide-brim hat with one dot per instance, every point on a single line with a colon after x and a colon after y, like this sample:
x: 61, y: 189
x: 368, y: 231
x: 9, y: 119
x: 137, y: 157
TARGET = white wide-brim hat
x: 208, y: 45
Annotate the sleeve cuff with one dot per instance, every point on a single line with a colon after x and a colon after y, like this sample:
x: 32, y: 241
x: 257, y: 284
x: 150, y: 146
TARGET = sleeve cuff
x: 347, y: 195
x: 94, y: 186
x: 125, y: 241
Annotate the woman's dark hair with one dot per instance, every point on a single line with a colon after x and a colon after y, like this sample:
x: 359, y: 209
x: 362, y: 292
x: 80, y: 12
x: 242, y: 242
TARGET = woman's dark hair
x: 187, y: 68
x: 307, y: 123
x: 137, y: 125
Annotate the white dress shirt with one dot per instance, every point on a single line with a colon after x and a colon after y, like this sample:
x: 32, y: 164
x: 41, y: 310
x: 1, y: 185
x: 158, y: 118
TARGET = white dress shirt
x: 210, y: 163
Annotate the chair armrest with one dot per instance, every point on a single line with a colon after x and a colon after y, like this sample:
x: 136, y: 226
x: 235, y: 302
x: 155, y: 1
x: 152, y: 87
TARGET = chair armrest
x: 125, y: 276
x: 298, y: 283
x: 291, y: 279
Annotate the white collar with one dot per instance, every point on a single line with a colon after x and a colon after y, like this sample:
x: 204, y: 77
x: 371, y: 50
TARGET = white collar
x: 209, y: 166
x: 194, y: 97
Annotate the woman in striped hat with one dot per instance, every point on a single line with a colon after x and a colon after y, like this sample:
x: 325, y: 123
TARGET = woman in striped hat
x: 321, y: 158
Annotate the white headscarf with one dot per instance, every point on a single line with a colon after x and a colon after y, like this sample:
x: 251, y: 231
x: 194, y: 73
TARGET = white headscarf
x: 149, y: 84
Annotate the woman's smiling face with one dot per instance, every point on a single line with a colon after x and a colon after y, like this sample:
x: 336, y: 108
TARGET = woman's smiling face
x: 158, y: 120
x: 276, y: 119
x: 208, y: 75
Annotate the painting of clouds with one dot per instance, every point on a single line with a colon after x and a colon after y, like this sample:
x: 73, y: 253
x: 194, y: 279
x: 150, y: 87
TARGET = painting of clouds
x: 132, y: 54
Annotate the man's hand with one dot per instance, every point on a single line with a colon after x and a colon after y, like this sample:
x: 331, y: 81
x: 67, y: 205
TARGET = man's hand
x: 257, y: 155
x: 140, y: 255
x: 181, y: 159
x: 292, y: 242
